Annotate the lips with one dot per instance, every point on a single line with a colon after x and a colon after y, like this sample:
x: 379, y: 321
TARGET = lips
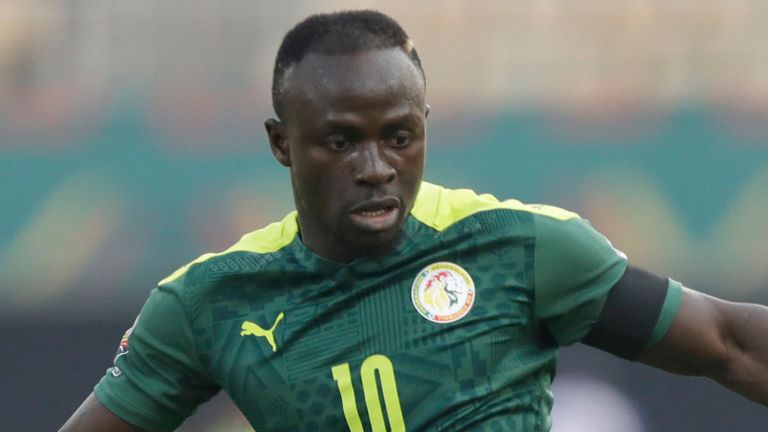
x: 377, y: 214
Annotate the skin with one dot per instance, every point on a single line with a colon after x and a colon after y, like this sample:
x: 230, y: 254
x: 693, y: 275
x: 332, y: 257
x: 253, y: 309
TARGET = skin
x: 92, y: 416
x: 354, y: 138
x: 354, y: 134
x: 717, y: 339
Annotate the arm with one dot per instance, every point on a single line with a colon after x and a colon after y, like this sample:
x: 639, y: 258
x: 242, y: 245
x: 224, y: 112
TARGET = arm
x: 156, y: 381
x: 92, y: 416
x: 727, y: 342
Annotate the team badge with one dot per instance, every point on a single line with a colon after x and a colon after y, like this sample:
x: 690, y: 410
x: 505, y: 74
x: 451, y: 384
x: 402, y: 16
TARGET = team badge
x: 443, y: 292
x: 122, y: 349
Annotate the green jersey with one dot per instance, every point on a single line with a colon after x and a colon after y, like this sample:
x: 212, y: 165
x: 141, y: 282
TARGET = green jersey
x: 456, y: 329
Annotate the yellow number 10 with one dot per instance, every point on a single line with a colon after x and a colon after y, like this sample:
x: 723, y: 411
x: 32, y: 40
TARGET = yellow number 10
x: 371, y: 365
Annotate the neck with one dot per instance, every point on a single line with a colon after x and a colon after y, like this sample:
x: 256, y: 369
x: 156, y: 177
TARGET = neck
x: 322, y: 243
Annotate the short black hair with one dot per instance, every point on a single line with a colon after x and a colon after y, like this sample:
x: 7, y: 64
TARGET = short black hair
x: 345, y: 32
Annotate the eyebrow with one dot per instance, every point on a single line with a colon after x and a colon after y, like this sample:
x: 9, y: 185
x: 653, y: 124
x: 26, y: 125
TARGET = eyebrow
x: 346, y: 120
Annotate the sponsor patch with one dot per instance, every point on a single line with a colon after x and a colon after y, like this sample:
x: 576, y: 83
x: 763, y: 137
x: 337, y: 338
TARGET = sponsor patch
x: 122, y: 349
x: 443, y: 292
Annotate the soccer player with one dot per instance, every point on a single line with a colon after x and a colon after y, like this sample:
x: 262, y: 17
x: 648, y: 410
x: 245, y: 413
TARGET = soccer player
x: 388, y: 303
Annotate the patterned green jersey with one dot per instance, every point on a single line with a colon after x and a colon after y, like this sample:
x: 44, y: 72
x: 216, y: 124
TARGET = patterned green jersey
x: 457, y: 329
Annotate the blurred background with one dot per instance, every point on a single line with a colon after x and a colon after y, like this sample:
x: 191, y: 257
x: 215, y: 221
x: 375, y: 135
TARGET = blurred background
x: 131, y: 141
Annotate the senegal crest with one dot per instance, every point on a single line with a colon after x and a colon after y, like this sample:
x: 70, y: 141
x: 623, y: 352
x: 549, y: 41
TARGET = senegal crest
x: 443, y: 292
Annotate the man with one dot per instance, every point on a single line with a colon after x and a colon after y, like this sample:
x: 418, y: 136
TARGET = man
x: 388, y: 303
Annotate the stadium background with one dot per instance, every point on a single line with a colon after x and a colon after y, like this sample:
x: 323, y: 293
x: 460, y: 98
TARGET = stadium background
x: 131, y: 141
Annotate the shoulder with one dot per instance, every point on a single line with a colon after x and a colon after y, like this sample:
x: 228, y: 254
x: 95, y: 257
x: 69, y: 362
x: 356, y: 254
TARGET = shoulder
x: 559, y: 234
x: 440, y: 207
x: 256, y: 246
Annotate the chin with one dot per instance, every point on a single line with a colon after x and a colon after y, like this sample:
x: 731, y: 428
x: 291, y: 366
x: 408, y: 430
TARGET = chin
x: 376, y: 242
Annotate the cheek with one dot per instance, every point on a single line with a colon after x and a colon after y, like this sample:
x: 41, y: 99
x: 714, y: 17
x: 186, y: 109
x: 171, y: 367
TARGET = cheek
x: 317, y: 182
x: 307, y: 168
x: 412, y: 163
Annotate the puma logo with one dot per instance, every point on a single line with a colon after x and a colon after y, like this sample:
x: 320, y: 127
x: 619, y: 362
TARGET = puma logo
x: 253, y: 329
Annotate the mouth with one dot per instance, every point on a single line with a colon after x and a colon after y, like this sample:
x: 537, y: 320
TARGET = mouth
x: 376, y: 215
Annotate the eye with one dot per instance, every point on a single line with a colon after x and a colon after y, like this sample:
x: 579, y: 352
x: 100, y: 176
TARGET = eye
x: 401, y: 139
x: 338, y: 143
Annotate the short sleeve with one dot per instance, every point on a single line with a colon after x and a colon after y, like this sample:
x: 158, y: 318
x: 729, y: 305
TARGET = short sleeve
x: 157, y: 380
x: 575, y: 268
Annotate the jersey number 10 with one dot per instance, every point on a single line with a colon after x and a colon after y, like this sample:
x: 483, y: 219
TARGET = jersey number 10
x: 369, y: 368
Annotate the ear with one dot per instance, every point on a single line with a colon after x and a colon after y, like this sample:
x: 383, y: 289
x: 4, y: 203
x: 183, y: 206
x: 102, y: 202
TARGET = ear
x: 278, y: 141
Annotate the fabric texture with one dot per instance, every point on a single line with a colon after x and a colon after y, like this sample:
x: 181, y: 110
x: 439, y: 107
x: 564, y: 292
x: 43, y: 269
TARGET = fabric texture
x: 457, y: 329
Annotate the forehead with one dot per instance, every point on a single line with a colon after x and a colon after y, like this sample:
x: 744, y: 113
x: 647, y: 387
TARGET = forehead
x: 347, y: 80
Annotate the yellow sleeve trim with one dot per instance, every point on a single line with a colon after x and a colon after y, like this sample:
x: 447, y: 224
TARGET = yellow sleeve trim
x: 440, y: 208
x: 271, y: 238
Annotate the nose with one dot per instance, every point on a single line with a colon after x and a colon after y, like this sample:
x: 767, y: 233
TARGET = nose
x: 373, y: 168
